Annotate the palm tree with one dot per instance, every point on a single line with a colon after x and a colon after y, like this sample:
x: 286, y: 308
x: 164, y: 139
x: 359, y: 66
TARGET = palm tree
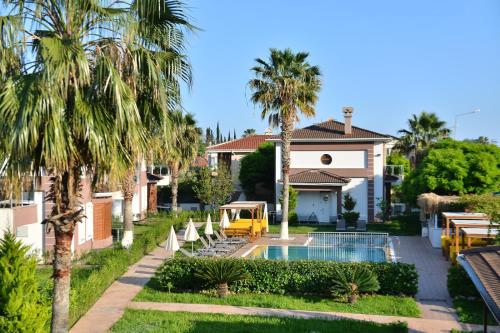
x: 153, y: 67
x: 248, y: 131
x: 181, y: 148
x: 423, y: 130
x: 285, y: 86
x: 222, y: 272
x: 65, y: 105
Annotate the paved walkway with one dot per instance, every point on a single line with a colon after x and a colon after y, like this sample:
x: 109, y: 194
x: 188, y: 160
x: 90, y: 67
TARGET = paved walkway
x: 414, y: 324
x: 432, y: 268
x: 111, y: 306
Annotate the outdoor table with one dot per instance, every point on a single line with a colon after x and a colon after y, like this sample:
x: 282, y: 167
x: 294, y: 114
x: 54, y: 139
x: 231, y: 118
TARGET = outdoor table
x: 470, y: 233
x: 448, y: 216
x: 481, y: 224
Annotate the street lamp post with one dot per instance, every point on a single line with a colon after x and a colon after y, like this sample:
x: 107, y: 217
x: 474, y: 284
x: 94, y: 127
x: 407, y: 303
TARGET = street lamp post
x: 460, y: 115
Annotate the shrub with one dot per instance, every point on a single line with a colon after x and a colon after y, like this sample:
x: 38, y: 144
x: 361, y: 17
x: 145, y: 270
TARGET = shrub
x: 21, y: 308
x: 87, y: 285
x: 221, y: 273
x: 294, y: 277
x: 350, y: 216
x: 353, y: 281
x: 460, y: 285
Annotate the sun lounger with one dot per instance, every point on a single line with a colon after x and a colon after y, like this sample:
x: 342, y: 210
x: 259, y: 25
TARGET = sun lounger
x: 186, y: 253
x: 234, y: 240
x: 340, y: 225
x: 361, y: 226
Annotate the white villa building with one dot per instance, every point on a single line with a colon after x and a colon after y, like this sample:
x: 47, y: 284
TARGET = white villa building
x: 330, y: 159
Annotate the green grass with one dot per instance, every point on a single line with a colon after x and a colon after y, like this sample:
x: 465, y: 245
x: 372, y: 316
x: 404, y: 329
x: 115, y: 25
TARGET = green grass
x: 471, y: 311
x: 401, y: 226
x: 142, y: 321
x: 92, y: 274
x: 378, y: 304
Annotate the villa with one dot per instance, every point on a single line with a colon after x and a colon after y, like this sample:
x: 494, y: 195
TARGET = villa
x: 330, y: 159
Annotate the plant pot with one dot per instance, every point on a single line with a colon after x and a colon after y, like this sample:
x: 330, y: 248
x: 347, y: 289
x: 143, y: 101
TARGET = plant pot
x: 222, y: 290
x: 353, y: 298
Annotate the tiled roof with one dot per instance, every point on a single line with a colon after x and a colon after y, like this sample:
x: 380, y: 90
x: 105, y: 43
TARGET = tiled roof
x: 317, y: 177
x: 333, y: 130
x: 483, y: 266
x: 199, y: 162
x: 248, y: 143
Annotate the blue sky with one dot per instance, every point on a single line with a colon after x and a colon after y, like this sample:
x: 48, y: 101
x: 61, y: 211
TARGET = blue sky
x: 387, y: 59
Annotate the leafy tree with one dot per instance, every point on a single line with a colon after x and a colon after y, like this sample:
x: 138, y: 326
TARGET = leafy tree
x: 423, y: 130
x: 455, y: 167
x: 21, y: 309
x: 398, y: 159
x: 66, y: 104
x: 256, y: 169
x: 285, y: 86
x: 249, y: 131
x: 213, y: 188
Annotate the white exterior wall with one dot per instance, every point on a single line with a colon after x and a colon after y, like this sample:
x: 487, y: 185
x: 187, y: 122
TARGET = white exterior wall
x: 6, y: 221
x: 378, y: 174
x: 356, y: 159
x: 358, y: 189
x: 212, y: 160
x: 277, y: 176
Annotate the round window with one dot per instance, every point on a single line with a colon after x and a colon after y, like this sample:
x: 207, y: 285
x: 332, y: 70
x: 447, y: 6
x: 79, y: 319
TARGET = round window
x: 326, y: 159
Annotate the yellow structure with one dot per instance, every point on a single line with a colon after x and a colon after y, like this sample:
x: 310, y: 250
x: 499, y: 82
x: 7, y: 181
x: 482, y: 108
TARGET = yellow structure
x: 253, y: 226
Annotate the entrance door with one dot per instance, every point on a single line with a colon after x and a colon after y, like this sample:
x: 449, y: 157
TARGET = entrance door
x: 323, y: 207
x: 312, y: 206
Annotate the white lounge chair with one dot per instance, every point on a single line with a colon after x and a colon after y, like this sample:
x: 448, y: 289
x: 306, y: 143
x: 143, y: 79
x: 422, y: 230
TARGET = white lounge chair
x: 340, y: 225
x: 186, y: 253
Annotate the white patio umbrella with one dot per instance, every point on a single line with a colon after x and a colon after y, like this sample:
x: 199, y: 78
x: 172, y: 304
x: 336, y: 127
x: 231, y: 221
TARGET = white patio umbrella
x: 208, y: 227
x: 224, y: 221
x: 191, y: 235
x: 238, y: 214
x: 172, y: 243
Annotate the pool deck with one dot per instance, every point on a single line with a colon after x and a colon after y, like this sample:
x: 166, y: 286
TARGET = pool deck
x: 271, y: 239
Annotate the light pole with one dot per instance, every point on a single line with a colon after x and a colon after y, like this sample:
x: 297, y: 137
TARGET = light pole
x: 460, y: 115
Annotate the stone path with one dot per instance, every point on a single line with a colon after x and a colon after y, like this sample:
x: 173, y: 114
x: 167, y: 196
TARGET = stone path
x: 112, y: 304
x: 432, y: 296
x: 414, y: 324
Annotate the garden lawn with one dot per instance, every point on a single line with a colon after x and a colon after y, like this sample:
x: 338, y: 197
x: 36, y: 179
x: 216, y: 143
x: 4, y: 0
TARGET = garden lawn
x: 140, y: 321
x: 92, y: 274
x: 471, y: 311
x: 407, y: 225
x: 378, y: 304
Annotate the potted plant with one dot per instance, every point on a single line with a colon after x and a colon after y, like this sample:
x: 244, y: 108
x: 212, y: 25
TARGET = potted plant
x: 350, y: 216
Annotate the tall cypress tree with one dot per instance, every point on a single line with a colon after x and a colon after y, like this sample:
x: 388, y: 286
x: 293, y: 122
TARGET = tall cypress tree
x: 217, y: 133
x: 229, y: 136
x: 234, y: 134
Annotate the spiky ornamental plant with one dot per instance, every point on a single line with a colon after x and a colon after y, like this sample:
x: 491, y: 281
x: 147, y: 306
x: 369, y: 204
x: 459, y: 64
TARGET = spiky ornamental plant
x: 352, y: 282
x: 21, y: 310
x: 285, y: 86
x: 222, y: 272
x: 66, y: 106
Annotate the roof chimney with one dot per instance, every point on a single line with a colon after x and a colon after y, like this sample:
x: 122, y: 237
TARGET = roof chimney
x: 347, y: 119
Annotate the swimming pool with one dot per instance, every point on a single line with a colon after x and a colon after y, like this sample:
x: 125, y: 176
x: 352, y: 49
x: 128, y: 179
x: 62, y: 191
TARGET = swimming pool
x: 342, y: 254
x: 342, y: 247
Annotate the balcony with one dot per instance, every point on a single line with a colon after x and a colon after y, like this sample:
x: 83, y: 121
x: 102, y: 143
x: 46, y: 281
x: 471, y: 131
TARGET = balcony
x: 394, y: 173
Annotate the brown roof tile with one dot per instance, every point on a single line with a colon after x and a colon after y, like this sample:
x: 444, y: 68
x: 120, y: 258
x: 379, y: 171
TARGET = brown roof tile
x: 333, y: 130
x: 485, y: 262
x: 317, y: 177
x: 248, y: 143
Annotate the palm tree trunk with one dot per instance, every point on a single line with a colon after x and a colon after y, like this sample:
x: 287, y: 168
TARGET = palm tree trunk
x: 286, y: 132
x: 175, y: 186
x: 222, y: 289
x: 128, y: 189
x: 65, y: 215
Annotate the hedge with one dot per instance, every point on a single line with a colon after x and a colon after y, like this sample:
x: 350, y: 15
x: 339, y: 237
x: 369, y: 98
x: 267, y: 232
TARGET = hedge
x: 87, y: 285
x: 460, y: 285
x: 283, y: 277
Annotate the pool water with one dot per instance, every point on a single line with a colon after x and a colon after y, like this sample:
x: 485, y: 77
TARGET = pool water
x: 337, y: 253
